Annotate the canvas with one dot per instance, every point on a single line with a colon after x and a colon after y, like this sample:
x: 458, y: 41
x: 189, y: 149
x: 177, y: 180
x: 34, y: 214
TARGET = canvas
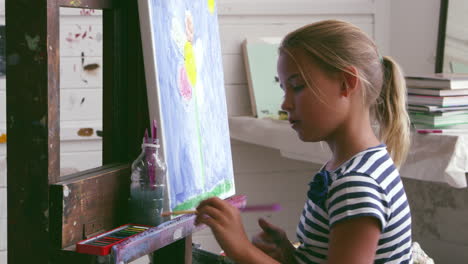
x: 184, y: 73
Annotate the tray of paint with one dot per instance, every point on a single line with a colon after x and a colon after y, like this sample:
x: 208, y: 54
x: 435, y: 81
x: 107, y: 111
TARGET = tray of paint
x: 101, y: 244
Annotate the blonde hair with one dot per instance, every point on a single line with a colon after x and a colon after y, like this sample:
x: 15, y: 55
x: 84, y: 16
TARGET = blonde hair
x: 335, y: 46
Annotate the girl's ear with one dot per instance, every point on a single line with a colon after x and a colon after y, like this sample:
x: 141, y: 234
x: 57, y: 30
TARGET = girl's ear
x: 350, y: 81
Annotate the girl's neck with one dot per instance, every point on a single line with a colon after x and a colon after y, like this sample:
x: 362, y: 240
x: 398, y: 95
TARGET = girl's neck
x: 352, y: 137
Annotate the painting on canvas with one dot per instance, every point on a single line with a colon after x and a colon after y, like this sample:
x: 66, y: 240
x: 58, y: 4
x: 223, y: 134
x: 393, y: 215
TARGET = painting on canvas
x: 186, y: 94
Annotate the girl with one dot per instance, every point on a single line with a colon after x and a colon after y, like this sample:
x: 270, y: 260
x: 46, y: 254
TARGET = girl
x: 335, y: 85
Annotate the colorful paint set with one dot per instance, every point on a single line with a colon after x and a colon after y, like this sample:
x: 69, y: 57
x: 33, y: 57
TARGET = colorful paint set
x: 102, y: 243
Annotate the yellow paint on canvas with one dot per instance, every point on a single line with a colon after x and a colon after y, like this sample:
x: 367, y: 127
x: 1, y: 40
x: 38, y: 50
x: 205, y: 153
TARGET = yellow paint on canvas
x: 190, y: 65
x: 3, y: 138
x: 211, y: 6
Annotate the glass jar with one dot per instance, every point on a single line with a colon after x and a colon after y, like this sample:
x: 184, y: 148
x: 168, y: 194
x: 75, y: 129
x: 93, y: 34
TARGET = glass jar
x: 147, y: 186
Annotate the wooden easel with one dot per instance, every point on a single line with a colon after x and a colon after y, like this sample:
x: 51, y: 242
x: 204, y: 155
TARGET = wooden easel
x: 47, y: 214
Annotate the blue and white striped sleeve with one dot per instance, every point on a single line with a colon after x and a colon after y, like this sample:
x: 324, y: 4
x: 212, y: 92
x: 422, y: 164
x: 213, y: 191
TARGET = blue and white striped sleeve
x: 353, y: 196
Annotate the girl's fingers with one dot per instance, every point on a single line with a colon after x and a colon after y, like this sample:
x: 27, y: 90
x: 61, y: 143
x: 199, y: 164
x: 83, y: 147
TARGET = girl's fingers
x: 210, y: 211
x: 213, y: 201
x: 265, y: 247
x: 275, y: 233
x: 204, y: 219
x: 217, y: 209
x: 267, y: 226
x: 263, y: 237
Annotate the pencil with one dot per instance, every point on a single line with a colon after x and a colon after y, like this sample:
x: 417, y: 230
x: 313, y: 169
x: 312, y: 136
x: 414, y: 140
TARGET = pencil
x: 252, y: 208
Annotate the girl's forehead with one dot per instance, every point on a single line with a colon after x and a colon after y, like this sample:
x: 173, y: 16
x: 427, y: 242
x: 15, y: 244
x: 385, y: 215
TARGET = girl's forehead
x: 287, y: 64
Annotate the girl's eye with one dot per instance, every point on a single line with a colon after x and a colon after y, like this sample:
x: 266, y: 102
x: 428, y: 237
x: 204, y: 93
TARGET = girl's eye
x: 298, y: 88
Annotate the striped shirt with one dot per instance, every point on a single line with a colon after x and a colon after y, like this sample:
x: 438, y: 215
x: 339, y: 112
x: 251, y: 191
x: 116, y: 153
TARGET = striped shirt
x: 366, y: 185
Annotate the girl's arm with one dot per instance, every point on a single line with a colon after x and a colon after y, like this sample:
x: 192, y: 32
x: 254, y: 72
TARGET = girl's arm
x: 354, y: 241
x: 226, y: 223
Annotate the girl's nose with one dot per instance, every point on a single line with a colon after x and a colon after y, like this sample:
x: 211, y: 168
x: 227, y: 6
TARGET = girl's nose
x: 286, y: 105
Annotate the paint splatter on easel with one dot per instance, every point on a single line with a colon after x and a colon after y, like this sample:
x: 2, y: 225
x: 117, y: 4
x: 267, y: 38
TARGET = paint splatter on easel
x: 32, y: 42
x: 75, y: 2
x: 33, y: 45
x: 3, y: 138
x: 87, y: 12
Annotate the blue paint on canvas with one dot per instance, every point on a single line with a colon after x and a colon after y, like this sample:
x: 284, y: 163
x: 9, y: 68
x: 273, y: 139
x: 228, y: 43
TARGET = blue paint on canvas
x: 192, y: 99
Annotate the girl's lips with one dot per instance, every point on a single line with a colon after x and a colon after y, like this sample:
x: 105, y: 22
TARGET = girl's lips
x: 294, y: 123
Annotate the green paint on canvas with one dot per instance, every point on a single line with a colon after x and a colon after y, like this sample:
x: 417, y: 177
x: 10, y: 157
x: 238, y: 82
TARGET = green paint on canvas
x: 265, y: 89
x: 221, y: 188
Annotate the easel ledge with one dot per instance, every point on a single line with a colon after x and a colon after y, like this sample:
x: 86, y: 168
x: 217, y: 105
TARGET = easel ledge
x: 162, y: 235
x: 168, y: 233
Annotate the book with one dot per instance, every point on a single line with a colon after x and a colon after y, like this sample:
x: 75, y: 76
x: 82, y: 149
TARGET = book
x: 444, y: 81
x: 437, y: 100
x: 436, y: 92
x: 456, y: 131
x: 266, y: 95
x: 438, y: 120
x: 418, y: 126
x: 446, y: 113
x: 434, y: 108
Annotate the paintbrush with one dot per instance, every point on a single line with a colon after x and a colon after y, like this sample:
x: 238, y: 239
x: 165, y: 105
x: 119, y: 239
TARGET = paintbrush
x: 251, y: 208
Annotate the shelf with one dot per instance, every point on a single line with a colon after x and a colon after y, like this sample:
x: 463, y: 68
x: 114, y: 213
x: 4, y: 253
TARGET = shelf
x: 432, y: 157
x: 277, y: 134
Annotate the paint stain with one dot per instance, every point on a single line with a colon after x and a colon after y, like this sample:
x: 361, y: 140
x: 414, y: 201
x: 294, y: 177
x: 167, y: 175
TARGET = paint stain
x: 87, y: 12
x: 85, y: 132
x: 75, y: 2
x: 33, y: 42
x: 82, y: 101
x: 66, y: 191
x: 91, y: 67
x: 3, y: 138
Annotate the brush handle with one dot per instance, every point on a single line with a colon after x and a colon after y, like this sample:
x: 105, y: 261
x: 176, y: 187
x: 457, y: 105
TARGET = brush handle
x: 179, y: 212
x: 251, y: 208
x: 262, y: 207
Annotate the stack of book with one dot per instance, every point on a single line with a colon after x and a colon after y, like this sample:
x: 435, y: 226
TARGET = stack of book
x: 438, y: 102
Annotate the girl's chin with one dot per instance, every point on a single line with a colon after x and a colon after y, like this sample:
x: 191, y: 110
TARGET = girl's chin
x: 307, y: 137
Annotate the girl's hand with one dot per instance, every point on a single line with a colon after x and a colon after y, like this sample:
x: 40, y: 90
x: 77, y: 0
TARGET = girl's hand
x: 226, y: 223
x: 274, y: 242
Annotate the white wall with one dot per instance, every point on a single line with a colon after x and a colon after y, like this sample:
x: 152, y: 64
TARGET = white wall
x: 413, y: 34
x: 240, y: 19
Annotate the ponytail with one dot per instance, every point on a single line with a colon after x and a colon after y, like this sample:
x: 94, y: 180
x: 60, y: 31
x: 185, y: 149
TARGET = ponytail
x: 391, y: 112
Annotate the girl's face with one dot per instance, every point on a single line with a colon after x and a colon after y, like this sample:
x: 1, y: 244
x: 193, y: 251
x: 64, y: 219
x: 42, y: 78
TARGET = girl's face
x: 317, y: 112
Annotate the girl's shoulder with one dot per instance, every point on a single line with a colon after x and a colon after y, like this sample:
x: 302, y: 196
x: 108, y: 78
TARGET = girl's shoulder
x: 371, y: 162
x: 373, y: 171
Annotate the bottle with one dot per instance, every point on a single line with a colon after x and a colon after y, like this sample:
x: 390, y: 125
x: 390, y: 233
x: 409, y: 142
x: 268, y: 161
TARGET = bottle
x: 147, y: 186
